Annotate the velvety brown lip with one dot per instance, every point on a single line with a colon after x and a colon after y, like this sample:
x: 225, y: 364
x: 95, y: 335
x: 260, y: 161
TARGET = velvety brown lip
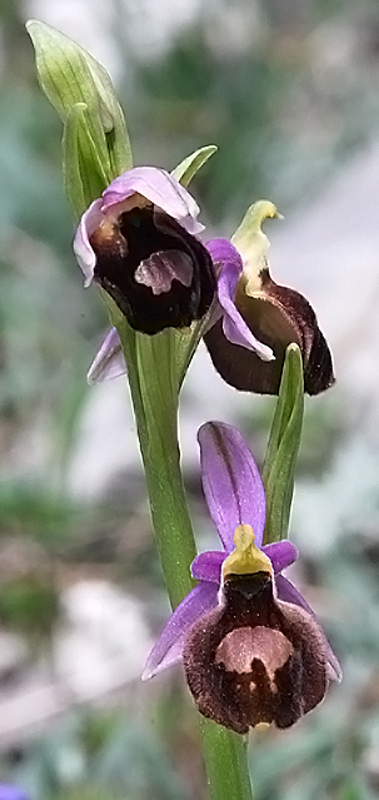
x: 276, y: 316
x: 159, y: 275
x: 254, y: 659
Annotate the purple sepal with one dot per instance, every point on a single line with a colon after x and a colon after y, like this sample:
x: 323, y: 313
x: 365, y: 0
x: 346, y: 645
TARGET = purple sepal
x: 10, y: 792
x: 231, y: 481
x: 109, y: 361
x: 281, y: 554
x: 207, y: 566
x: 222, y: 252
x: 228, y: 267
x: 169, y: 647
x: 233, y: 324
x: 287, y: 592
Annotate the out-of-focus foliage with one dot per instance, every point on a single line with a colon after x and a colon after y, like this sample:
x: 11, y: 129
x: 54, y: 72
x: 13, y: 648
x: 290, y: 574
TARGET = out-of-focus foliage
x: 100, y: 756
x: 286, y: 91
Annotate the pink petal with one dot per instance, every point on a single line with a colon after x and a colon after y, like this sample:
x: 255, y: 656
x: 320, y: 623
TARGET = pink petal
x: 85, y: 255
x: 281, y: 554
x: 161, y: 189
x: 222, y: 251
x: 207, y: 566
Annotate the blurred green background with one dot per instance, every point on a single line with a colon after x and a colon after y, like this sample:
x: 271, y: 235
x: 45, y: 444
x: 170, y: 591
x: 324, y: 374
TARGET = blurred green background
x: 289, y: 91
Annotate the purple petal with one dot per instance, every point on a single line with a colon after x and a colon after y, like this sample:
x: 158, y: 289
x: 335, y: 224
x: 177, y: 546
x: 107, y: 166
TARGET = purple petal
x: 207, y: 566
x: 222, y: 251
x: 109, y: 362
x: 231, y: 481
x: 169, y: 647
x: 228, y: 265
x: 85, y: 255
x: 287, y: 591
x: 234, y: 326
x: 161, y: 189
x: 281, y: 554
x: 10, y: 792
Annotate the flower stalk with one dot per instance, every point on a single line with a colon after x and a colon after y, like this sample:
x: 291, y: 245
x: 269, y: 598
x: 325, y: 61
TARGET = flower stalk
x: 224, y: 752
x: 225, y: 755
x: 154, y: 396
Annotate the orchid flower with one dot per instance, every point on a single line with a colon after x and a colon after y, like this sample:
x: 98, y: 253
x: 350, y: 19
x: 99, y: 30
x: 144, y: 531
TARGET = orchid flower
x: 252, y: 648
x: 139, y: 242
x: 259, y: 318
x: 253, y: 321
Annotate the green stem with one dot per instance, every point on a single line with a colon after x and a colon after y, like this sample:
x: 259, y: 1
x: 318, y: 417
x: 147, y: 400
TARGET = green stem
x: 156, y: 412
x: 225, y: 755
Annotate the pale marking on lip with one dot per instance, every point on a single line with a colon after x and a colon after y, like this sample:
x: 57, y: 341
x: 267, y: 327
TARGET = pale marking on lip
x: 160, y: 269
x: 239, y: 647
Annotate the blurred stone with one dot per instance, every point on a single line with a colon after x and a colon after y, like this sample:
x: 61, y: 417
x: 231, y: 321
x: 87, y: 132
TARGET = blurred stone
x: 106, y: 441
x: 99, y: 648
x: 19, y: 556
x: 329, y: 251
x: 13, y: 655
x: 104, y: 641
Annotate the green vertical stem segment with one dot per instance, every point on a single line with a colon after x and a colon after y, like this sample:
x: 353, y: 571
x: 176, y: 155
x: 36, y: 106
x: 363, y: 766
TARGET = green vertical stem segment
x: 154, y: 391
x: 172, y: 524
x: 156, y: 367
x: 225, y: 755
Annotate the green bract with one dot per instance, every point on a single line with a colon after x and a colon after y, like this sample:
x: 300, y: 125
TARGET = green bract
x: 283, y: 447
x: 188, y: 168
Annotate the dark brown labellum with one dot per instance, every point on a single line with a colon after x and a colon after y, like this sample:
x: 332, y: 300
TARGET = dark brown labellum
x: 277, y: 317
x: 255, y: 659
x: 159, y: 275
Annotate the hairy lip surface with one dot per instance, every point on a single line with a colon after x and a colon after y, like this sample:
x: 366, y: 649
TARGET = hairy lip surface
x: 159, y: 275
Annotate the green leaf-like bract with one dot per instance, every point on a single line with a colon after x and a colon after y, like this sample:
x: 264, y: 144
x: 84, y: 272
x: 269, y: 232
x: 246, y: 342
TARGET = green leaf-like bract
x: 283, y: 447
x: 96, y: 146
x: 188, y: 168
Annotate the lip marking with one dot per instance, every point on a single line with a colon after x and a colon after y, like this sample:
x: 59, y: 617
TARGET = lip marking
x: 239, y: 647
